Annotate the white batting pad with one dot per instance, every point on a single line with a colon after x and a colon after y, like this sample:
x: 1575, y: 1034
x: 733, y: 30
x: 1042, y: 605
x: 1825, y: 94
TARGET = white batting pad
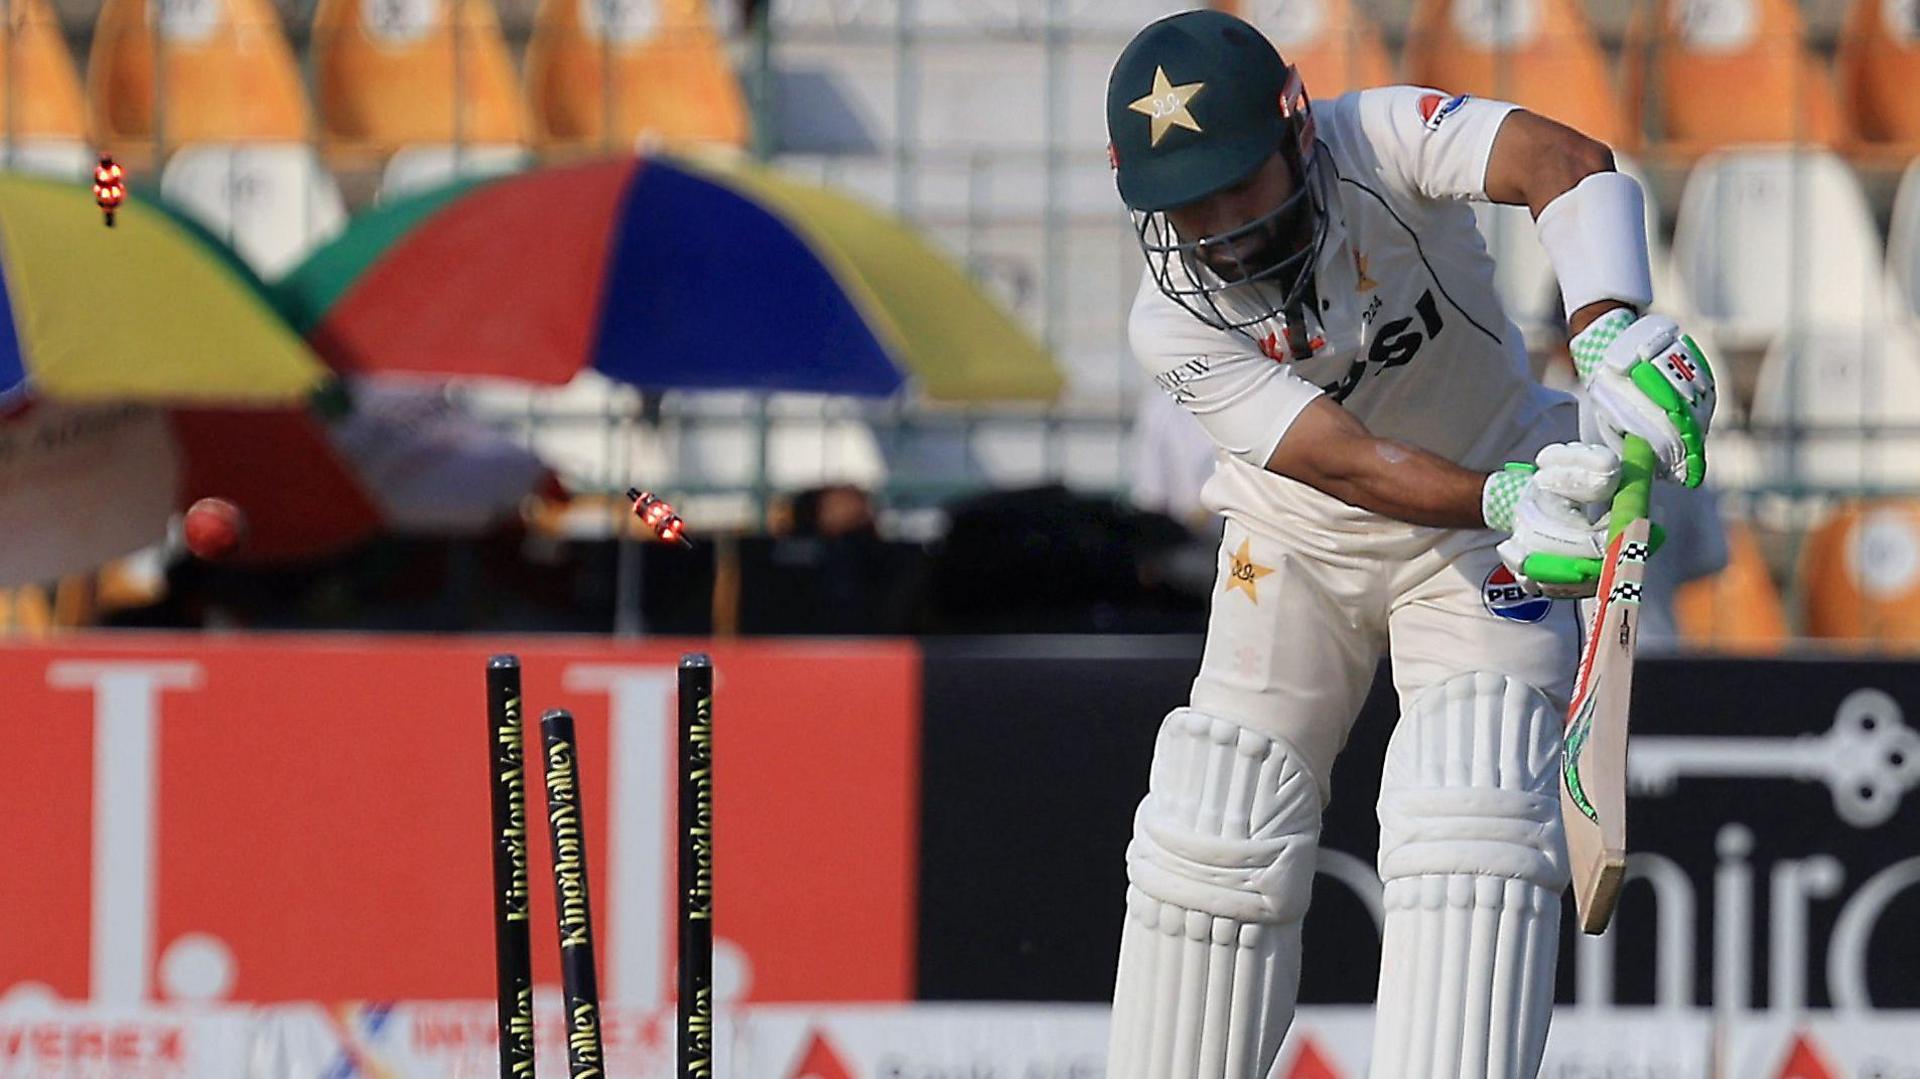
x: 1474, y: 860
x: 1220, y: 871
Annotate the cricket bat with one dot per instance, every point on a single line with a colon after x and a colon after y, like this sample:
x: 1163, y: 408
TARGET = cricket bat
x: 1593, y: 769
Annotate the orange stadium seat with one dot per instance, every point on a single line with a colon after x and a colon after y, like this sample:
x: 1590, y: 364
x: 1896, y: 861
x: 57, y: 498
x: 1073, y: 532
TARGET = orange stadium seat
x: 1860, y: 574
x: 1704, y: 74
x: 26, y: 612
x: 228, y: 76
x: 1538, y: 53
x: 1879, y: 75
x: 39, y: 90
x: 661, y: 68
x: 1737, y: 609
x: 38, y: 611
x: 1335, y: 45
x: 425, y: 71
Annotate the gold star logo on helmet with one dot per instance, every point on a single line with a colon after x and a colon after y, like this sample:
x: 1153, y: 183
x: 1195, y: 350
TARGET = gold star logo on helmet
x: 1167, y: 105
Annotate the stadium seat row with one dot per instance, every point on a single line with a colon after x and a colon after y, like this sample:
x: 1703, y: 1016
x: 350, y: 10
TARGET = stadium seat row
x: 386, y: 74
x: 1697, y: 75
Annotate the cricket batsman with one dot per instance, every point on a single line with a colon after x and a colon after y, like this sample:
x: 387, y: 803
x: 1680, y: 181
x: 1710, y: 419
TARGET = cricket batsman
x: 1393, y: 480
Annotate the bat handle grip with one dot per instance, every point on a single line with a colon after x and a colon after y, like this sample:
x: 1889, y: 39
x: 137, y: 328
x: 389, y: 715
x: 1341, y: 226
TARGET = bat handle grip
x: 1636, y: 486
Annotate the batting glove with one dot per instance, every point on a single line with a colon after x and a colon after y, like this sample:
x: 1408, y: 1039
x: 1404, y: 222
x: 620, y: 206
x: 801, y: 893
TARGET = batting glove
x: 1555, y: 546
x: 1645, y: 378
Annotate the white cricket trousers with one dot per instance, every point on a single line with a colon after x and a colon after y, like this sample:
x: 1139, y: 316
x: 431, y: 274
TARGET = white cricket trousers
x: 1309, y: 593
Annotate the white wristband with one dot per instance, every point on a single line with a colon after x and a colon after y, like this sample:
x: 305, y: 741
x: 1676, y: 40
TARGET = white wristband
x: 1596, y: 237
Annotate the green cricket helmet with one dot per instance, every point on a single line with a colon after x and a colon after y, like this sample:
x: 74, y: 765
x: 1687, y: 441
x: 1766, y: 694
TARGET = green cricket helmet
x: 1197, y: 103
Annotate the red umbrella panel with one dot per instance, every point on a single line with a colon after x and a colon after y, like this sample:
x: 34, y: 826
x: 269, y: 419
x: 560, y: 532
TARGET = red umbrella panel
x: 300, y: 499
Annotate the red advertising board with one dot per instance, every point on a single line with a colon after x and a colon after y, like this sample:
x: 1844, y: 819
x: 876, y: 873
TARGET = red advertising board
x: 284, y: 818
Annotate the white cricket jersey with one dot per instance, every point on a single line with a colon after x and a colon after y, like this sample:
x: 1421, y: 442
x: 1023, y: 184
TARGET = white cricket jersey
x: 1409, y: 336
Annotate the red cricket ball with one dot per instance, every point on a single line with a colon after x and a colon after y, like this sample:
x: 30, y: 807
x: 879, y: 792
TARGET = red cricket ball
x: 215, y: 528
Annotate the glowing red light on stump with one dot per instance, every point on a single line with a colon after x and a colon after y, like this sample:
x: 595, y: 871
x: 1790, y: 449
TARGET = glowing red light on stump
x: 658, y: 515
x: 109, y: 187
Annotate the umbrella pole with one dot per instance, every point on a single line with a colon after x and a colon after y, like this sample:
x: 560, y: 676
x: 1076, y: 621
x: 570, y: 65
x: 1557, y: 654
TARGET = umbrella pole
x: 760, y: 83
x: 762, y: 454
x: 626, y: 582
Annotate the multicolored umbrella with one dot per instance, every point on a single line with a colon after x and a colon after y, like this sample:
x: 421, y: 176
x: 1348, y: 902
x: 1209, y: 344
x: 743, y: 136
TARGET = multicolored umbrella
x: 662, y: 274
x: 150, y: 310
x: 150, y: 368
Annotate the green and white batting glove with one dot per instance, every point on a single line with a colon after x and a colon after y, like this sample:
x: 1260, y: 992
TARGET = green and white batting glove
x: 1555, y: 545
x: 1645, y: 378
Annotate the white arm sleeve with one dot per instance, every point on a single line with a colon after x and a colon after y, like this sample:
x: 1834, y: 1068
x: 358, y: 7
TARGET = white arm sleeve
x: 1431, y: 144
x: 1245, y: 401
x: 1596, y: 237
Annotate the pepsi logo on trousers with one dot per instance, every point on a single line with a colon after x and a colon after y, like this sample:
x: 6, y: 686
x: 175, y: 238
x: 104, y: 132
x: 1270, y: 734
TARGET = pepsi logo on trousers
x: 1504, y: 597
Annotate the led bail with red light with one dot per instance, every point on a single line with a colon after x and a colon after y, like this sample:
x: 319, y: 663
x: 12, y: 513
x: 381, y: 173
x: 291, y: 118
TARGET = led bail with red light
x: 659, y: 516
x: 109, y: 187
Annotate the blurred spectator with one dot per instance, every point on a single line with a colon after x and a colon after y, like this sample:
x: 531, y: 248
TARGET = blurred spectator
x: 1047, y: 560
x: 829, y: 512
x: 825, y: 569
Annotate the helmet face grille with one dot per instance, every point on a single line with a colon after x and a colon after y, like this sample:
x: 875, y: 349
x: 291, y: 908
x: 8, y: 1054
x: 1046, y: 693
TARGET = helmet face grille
x: 1238, y: 297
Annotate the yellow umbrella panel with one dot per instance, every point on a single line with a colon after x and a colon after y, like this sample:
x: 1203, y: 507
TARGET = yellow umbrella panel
x: 148, y: 310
